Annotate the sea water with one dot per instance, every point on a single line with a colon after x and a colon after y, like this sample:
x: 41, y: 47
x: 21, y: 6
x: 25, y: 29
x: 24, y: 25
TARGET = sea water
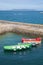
x: 33, y: 56
x: 22, y: 16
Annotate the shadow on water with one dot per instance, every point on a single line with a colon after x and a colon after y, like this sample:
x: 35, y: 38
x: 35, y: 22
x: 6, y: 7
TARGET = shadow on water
x: 21, y: 52
x: 18, y: 51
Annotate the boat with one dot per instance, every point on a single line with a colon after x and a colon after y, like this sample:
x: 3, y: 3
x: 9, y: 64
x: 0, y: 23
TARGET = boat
x: 31, y: 40
x: 17, y: 47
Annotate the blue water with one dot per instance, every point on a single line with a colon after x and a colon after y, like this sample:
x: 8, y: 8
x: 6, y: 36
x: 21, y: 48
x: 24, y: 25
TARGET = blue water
x: 22, y: 16
x: 33, y: 56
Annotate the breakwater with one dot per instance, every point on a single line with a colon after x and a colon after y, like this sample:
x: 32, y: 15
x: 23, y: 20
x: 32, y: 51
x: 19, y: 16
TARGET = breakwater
x: 23, y: 28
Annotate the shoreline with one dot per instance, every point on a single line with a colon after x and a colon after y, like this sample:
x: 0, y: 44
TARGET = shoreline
x: 21, y: 28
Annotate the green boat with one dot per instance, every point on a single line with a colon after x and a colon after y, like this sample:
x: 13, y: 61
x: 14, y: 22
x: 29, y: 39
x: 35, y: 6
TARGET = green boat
x: 17, y: 47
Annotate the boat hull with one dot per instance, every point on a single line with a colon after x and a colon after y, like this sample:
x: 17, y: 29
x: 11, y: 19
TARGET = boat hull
x: 17, y: 47
x: 34, y: 40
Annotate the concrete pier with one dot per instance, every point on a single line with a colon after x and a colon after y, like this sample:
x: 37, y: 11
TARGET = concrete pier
x: 23, y: 28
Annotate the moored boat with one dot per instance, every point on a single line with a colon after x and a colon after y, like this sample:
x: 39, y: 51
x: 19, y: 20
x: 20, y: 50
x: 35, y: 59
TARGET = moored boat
x: 17, y: 47
x: 31, y: 40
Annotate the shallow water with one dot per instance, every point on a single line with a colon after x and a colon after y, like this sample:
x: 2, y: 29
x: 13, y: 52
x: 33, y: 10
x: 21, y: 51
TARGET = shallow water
x: 33, y: 56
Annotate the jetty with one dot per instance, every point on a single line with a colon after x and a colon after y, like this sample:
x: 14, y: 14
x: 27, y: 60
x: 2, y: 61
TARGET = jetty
x: 20, y: 27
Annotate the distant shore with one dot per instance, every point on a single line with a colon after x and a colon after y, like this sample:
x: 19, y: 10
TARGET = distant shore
x: 19, y: 27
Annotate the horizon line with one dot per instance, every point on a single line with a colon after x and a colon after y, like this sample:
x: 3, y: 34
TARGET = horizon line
x: 20, y: 10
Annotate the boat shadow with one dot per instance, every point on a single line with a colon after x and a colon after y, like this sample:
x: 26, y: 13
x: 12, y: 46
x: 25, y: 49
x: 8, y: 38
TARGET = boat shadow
x: 20, y: 51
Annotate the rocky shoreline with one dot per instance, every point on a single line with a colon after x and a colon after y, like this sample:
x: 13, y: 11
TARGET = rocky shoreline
x: 23, y: 28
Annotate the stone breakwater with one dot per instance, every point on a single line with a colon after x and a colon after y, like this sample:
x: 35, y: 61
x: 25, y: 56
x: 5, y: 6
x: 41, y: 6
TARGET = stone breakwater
x: 23, y: 28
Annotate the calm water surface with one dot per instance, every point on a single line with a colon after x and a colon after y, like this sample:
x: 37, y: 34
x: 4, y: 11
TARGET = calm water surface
x: 33, y: 56
x: 22, y: 16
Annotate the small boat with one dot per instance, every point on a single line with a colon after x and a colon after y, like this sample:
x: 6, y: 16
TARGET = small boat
x: 31, y: 40
x: 17, y: 47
